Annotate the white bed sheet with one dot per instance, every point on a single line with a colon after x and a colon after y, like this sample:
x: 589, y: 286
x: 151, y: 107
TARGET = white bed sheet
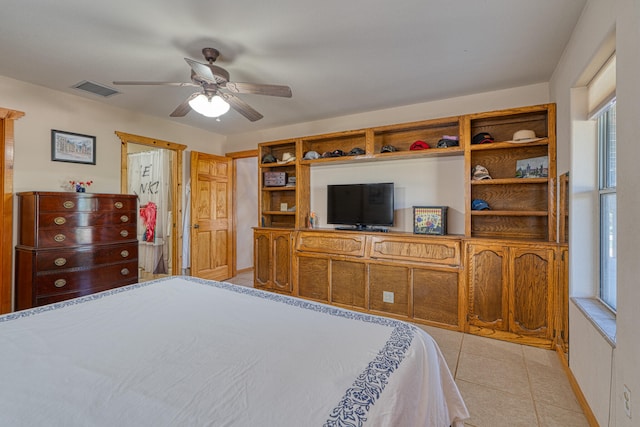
x: 188, y: 352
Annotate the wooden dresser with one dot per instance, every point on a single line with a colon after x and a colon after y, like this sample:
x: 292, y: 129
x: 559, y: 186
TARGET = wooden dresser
x: 73, y: 244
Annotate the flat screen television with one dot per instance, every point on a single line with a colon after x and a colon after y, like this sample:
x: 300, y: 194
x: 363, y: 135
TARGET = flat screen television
x: 360, y: 206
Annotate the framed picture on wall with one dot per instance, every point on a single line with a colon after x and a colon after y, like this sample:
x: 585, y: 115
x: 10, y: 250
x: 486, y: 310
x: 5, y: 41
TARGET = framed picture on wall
x: 73, y: 147
x: 430, y: 220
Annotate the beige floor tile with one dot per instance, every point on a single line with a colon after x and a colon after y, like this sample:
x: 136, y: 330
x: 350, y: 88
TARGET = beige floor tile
x: 542, y: 356
x: 493, y: 408
x: 509, y: 376
x: 492, y: 348
x: 551, y: 386
x: 552, y: 416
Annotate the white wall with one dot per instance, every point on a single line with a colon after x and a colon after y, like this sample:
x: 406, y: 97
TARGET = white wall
x: 602, y: 20
x: 246, y: 209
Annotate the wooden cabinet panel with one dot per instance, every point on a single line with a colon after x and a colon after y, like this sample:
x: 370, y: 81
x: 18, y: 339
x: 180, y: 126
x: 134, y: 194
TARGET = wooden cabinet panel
x: 511, y: 288
x: 334, y: 243
x: 272, y: 260
x: 281, y: 261
x: 435, y: 296
x: 392, y: 279
x: 531, y: 297
x: 416, y: 249
x: 487, y: 286
x: 348, y: 283
x: 313, y: 278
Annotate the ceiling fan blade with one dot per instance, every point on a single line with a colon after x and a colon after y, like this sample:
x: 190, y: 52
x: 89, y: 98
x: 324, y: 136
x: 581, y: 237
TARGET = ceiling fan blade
x: 259, y: 89
x: 134, y: 83
x: 241, y: 107
x: 182, y: 109
x: 201, y: 70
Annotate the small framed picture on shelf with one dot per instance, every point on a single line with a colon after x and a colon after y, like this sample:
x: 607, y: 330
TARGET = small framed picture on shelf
x: 535, y: 167
x: 430, y: 220
x: 73, y: 147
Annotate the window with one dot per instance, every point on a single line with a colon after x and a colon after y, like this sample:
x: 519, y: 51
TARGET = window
x: 607, y: 192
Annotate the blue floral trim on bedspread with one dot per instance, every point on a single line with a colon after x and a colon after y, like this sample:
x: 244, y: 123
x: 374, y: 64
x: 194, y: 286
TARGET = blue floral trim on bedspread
x: 352, y: 409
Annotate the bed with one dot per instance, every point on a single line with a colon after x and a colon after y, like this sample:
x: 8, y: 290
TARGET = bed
x: 182, y: 351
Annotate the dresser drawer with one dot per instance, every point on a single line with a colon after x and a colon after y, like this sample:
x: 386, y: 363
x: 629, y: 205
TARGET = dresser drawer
x: 59, y: 259
x: 50, y: 299
x: 58, y: 238
x: 117, y: 204
x: 85, y: 219
x: 87, y: 280
x: 66, y: 203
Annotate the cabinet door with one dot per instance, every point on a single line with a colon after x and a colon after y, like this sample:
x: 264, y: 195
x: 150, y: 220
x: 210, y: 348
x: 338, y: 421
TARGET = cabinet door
x: 262, y: 257
x: 562, y: 299
x: 487, y: 284
x: 532, y: 280
x: 281, y: 264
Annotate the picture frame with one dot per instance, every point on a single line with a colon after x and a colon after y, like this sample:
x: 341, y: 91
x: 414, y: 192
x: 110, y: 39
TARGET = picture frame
x: 534, y: 167
x: 73, y: 147
x: 430, y: 220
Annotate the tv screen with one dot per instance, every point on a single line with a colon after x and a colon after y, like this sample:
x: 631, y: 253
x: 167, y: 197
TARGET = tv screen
x: 360, y: 205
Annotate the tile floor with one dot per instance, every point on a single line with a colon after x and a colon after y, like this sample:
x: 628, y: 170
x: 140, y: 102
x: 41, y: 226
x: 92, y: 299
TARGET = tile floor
x: 503, y: 384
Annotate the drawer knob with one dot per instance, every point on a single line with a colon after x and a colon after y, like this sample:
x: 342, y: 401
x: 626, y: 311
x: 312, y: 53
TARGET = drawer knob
x: 118, y: 205
x: 59, y: 220
x: 124, y: 218
x: 124, y: 271
x: 124, y: 253
x: 60, y: 261
x: 59, y: 283
x: 69, y: 204
x: 124, y: 233
x: 59, y: 237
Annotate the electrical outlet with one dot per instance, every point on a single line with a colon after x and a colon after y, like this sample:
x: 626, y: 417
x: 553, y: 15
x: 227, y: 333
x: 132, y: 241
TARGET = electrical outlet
x: 626, y: 397
x: 387, y: 297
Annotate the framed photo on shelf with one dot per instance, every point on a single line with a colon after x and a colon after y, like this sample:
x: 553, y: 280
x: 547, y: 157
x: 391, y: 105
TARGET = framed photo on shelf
x: 535, y: 167
x: 73, y: 147
x: 430, y: 220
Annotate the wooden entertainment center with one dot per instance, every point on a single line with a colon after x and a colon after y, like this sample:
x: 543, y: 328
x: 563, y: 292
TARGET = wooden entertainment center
x: 502, y: 278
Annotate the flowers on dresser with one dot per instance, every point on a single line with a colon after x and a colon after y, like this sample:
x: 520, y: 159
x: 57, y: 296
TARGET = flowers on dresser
x: 80, y: 186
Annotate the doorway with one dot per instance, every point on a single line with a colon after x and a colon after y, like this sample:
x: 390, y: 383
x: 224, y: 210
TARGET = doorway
x: 152, y: 169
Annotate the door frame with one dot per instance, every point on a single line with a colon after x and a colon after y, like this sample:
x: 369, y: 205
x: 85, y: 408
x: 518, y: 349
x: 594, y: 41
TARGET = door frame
x: 7, y: 117
x: 176, y: 187
x: 235, y: 155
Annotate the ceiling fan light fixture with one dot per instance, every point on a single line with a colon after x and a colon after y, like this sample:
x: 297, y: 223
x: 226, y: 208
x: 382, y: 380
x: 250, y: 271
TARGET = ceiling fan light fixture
x: 210, y: 107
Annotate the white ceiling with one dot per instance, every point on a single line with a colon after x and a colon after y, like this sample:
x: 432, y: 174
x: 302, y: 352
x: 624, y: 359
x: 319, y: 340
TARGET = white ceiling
x: 338, y: 56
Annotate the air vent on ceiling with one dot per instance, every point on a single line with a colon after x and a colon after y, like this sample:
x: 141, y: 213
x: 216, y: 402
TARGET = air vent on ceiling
x: 95, y: 88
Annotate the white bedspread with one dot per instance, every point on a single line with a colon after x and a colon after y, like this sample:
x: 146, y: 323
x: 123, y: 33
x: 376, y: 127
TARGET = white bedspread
x: 189, y: 352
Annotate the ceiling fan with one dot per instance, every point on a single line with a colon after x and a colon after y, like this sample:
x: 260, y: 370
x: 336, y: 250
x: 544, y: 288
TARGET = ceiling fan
x: 216, y: 89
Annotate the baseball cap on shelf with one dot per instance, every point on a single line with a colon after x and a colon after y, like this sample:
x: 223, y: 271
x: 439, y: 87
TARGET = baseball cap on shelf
x: 482, y: 138
x: 524, y: 135
x: 419, y: 145
x: 356, y: 151
x: 311, y: 155
x: 268, y: 158
x: 448, y: 141
x: 388, y: 149
x: 479, y: 205
x: 286, y: 158
x: 479, y: 172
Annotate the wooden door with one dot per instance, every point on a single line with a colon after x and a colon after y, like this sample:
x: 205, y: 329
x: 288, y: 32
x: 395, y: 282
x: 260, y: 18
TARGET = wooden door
x: 211, y: 216
x: 7, y: 118
x: 532, y: 282
x: 487, y: 286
